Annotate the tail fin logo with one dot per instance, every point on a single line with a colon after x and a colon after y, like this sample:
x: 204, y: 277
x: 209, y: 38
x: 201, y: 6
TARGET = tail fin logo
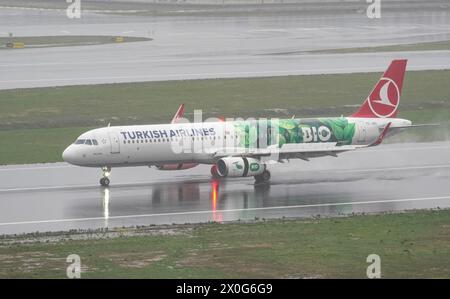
x: 384, y: 99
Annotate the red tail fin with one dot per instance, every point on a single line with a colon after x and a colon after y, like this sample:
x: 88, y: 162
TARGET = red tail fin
x: 384, y: 99
x: 179, y: 114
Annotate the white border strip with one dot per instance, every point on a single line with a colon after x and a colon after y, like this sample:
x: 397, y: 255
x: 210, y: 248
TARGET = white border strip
x: 225, y: 211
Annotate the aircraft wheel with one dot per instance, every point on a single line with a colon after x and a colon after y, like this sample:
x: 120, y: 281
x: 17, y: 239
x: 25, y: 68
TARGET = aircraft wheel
x: 263, y: 177
x: 104, y: 182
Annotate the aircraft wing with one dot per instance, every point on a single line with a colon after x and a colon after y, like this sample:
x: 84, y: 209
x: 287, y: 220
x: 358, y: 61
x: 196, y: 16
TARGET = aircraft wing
x: 287, y: 151
x: 302, y: 151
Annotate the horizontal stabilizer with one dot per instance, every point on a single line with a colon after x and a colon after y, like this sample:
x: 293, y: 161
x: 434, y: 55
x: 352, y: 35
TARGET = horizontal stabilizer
x: 416, y: 126
x: 380, y: 138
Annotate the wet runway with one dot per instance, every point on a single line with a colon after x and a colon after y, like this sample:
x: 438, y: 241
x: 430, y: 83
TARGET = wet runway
x: 53, y: 197
x: 213, y: 47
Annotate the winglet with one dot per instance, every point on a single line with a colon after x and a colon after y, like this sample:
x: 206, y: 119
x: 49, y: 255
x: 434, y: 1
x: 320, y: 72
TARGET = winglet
x: 179, y: 114
x: 381, y: 137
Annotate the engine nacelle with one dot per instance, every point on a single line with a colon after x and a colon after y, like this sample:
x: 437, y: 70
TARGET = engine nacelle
x: 176, y: 166
x: 238, y: 166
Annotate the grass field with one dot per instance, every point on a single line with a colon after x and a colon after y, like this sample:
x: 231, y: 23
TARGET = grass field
x: 410, y: 245
x: 36, y: 146
x: 65, y: 40
x: 50, y: 118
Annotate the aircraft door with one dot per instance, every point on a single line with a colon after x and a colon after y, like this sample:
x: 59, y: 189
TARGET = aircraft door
x: 115, y: 143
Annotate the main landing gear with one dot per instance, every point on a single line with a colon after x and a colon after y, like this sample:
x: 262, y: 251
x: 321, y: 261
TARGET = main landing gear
x: 104, y: 181
x: 263, y: 177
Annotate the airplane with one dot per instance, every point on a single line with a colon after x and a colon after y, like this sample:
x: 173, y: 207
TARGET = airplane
x: 243, y: 148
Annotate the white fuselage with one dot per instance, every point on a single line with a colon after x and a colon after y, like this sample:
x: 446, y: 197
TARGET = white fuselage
x: 147, y: 145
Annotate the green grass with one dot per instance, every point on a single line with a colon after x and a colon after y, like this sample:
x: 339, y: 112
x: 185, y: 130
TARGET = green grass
x: 155, y: 102
x: 36, y: 146
x: 411, y: 245
x: 425, y: 98
x: 428, y: 46
x: 64, y: 40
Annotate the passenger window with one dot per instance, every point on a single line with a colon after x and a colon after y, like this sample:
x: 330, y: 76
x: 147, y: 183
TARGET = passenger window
x: 88, y: 142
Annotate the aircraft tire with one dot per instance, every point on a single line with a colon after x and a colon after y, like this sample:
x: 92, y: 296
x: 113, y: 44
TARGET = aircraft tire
x: 263, y: 177
x: 104, y: 182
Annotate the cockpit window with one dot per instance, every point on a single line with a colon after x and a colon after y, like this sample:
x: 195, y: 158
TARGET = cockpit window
x: 79, y: 141
x: 86, y: 141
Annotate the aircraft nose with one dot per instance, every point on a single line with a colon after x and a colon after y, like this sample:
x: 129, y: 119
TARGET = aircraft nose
x: 69, y: 155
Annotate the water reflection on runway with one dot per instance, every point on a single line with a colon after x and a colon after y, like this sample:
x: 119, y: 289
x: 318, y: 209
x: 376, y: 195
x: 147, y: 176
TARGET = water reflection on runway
x: 61, y: 197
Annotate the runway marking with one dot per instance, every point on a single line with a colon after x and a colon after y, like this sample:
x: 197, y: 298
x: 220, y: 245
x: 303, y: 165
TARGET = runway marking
x: 184, y: 180
x: 139, y: 61
x: 47, y: 188
x: 36, y: 168
x: 392, y: 168
x: 181, y: 76
x: 226, y: 210
x: 229, y: 57
x: 64, y: 9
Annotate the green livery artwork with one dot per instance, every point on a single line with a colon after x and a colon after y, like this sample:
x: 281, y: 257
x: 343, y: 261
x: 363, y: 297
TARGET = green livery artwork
x: 237, y: 165
x: 296, y: 131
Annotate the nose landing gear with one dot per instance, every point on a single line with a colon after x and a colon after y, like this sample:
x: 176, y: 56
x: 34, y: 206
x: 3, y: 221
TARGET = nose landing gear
x: 104, y: 181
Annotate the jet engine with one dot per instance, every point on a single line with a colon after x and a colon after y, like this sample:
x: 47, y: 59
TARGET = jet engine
x: 238, y: 167
x: 176, y: 166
